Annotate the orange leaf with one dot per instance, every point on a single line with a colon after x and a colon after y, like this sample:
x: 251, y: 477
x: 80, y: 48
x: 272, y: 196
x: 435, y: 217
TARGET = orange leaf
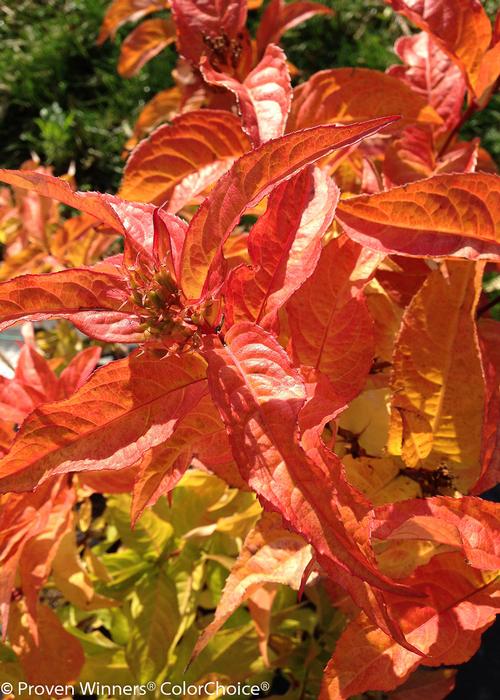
x: 445, y: 215
x: 468, y: 524
x: 180, y: 160
x: 270, y: 554
x: 462, y: 604
x: 438, y: 393
x: 143, y: 44
x: 162, y: 108
x: 139, y: 401
x: 250, y: 179
x: 331, y: 328
x: 344, y: 95
x: 56, y: 658
x: 121, y: 11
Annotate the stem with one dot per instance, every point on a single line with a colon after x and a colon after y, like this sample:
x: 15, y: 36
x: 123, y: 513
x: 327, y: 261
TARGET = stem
x: 486, y: 307
x: 6, y: 361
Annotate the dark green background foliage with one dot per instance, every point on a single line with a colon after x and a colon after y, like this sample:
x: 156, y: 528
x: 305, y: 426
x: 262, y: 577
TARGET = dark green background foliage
x: 61, y: 97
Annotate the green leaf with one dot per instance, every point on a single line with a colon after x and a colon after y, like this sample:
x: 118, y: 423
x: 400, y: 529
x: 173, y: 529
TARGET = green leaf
x: 154, y: 620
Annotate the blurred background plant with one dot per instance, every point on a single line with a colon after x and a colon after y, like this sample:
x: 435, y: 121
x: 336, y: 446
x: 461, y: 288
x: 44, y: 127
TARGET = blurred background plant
x: 61, y: 97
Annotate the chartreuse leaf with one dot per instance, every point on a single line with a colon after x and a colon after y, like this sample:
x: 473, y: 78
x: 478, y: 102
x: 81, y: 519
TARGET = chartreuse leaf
x: 154, y: 621
x: 151, y: 534
x: 232, y: 653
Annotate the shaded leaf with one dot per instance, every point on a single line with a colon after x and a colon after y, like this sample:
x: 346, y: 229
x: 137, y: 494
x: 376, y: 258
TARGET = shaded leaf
x: 56, y: 658
x: 279, y: 17
x: 155, y: 614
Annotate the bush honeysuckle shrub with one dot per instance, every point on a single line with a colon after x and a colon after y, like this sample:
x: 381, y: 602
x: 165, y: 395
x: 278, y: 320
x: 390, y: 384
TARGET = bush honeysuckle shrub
x: 310, y: 373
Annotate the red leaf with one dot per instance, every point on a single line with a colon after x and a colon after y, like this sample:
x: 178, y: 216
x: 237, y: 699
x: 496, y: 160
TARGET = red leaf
x: 180, y: 160
x: 331, y: 327
x: 462, y: 29
x: 284, y: 247
x: 429, y: 71
x: 248, y: 181
x: 344, y: 95
x: 96, y: 302
x: 280, y: 16
x: 144, y: 43
x: 198, y: 19
x: 461, y: 606
x: 92, y: 203
x: 126, y: 407
x: 468, y: 524
x: 445, y: 215
x: 259, y: 396
x: 78, y: 371
x: 263, y: 98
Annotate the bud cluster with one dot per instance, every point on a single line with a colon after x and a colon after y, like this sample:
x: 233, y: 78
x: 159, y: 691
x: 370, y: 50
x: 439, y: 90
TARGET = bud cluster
x: 165, y: 318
